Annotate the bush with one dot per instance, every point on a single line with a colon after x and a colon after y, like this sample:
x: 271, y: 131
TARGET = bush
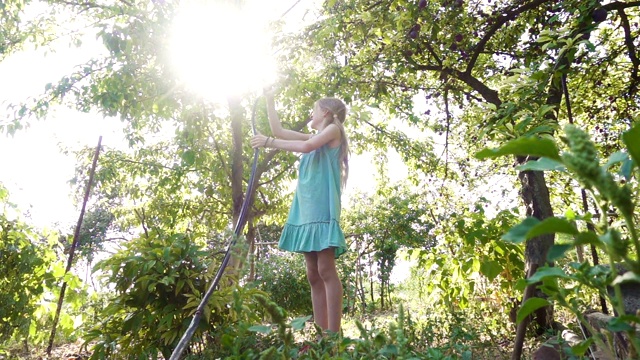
x: 24, y: 267
x: 283, y: 276
x: 159, y: 282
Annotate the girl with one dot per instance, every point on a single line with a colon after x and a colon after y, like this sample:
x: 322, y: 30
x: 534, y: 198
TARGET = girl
x: 313, y: 225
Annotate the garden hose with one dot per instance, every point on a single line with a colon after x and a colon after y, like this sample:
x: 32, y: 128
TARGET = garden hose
x: 242, y: 219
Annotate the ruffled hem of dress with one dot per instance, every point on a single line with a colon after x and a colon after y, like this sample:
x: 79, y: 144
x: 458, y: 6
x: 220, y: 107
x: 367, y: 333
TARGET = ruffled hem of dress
x: 314, y: 236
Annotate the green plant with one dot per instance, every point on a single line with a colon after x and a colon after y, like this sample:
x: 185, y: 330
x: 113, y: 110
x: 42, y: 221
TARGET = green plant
x: 471, y: 269
x: 619, y: 239
x: 157, y: 281
x: 399, y: 338
x: 26, y: 268
x: 235, y: 338
x: 283, y: 276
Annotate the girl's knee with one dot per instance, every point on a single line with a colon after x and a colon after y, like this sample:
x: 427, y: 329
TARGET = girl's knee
x: 327, y: 265
x: 313, y: 276
x: 327, y: 272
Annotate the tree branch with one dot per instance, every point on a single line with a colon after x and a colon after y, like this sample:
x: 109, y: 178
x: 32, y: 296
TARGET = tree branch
x: 628, y: 40
x: 487, y: 93
x: 143, y: 219
x: 501, y: 20
x: 446, y: 139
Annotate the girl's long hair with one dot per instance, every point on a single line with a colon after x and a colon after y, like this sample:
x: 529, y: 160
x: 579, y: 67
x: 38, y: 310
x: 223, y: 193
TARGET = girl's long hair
x: 338, y: 111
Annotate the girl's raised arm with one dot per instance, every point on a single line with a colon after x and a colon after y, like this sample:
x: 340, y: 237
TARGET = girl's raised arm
x: 328, y: 135
x: 276, y: 126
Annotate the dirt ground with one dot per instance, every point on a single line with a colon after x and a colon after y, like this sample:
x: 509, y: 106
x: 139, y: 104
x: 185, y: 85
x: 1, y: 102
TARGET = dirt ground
x: 70, y: 351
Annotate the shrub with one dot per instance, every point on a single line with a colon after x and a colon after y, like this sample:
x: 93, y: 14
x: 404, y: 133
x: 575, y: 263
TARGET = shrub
x: 283, y: 277
x: 25, y: 263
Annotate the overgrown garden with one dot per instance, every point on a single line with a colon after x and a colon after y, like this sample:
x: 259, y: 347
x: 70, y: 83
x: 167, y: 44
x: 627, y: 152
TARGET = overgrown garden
x: 516, y: 122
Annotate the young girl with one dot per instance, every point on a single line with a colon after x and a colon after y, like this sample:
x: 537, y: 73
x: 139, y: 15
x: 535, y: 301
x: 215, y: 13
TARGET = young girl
x: 313, y: 226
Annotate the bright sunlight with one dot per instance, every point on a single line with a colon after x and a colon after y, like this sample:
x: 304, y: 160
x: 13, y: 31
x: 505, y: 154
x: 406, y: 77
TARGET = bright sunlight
x: 221, y: 49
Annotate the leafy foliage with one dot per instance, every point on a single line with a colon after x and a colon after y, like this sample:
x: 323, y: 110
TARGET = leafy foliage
x: 618, y: 240
x: 380, y: 225
x: 283, y: 277
x: 436, y: 81
x: 26, y: 267
x: 157, y: 282
x: 397, y: 339
x: 470, y: 268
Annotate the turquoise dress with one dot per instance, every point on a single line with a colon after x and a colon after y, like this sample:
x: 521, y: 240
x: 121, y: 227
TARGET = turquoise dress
x: 314, y: 217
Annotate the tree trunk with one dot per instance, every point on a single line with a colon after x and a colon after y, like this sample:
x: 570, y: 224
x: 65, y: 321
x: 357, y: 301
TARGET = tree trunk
x: 371, y: 283
x: 535, y: 196
x: 360, y: 283
x: 237, y: 187
x: 254, y: 251
x: 381, y: 294
x: 237, y: 117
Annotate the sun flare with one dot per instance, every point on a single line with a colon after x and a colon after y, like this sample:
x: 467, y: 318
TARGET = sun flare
x: 220, y: 50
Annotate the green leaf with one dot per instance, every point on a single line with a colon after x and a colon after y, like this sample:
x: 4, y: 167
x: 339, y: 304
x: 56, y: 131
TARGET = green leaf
x: 388, y: 350
x: 491, y: 269
x: 530, y: 306
x: 520, y: 285
x: 545, y: 109
x: 587, y: 237
x: 617, y: 324
x: 581, y: 348
x: 557, y: 251
x: 263, y: 329
x: 608, y: 239
x: 532, y: 227
x: 534, y: 146
x: 552, y: 225
x: 466, y: 355
x: 518, y: 233
x: 626, y: 168
x: 227, y: 340
x: 547, y: 272
x: 615, y: 158
x: 189, y: 157
x: 298, y: 323
x: 631, y: 139
x: 542, y: 164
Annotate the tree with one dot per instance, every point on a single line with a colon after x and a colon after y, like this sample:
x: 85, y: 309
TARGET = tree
x: 500, y: 63
x: 488, y: 72
x: 393, y: 218
x: 187, y: 181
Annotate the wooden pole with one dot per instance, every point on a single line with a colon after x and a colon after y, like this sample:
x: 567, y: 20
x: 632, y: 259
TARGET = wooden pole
x: 76, y: 236
x: 522, y: 326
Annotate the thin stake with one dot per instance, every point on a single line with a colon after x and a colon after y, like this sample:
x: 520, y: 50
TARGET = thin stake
x: 76, y: 235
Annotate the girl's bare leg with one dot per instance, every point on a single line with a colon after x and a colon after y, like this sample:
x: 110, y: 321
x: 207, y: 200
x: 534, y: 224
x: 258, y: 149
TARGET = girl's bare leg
x: 326, y: 268
x: 318, y: 291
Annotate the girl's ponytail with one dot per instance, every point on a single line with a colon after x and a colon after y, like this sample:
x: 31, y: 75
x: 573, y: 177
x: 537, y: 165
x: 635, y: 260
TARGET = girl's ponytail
x: 339, y: 113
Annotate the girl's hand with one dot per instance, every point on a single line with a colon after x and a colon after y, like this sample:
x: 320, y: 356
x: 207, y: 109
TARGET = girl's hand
x: 259, y: 141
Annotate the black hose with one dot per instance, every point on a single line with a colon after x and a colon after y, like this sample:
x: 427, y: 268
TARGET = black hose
x: 242, y: 219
